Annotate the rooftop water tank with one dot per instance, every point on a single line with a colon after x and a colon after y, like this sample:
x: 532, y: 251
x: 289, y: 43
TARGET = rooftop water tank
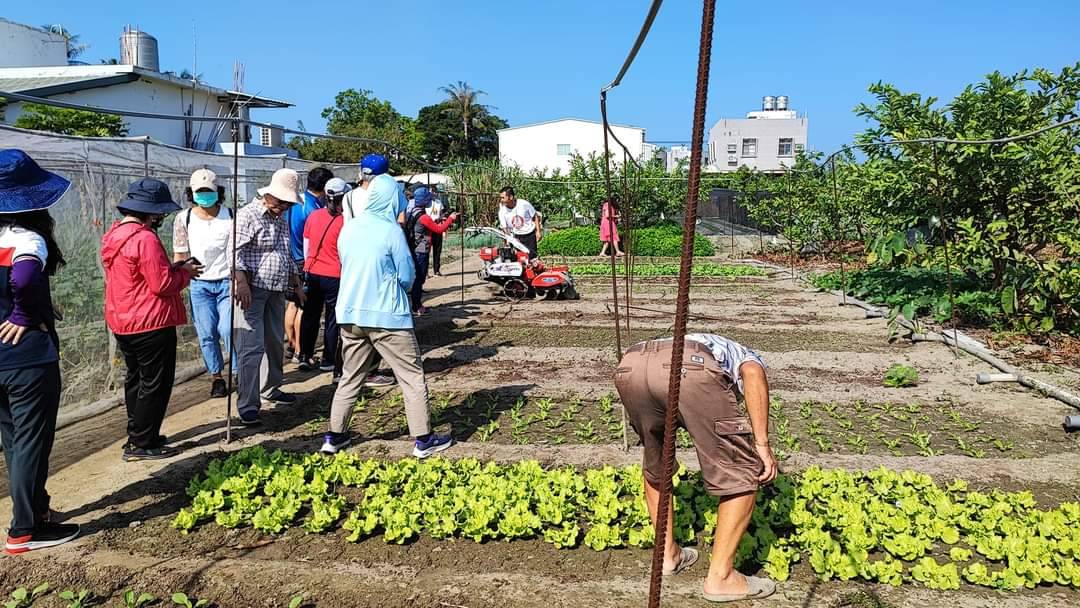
x: 768, y: 103
x: 782, y: 102
x: 139, y: 49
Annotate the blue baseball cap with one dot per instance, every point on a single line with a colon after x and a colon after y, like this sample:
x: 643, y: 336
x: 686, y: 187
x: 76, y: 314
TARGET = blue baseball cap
x: 422, y: 196
x: 374, y: 164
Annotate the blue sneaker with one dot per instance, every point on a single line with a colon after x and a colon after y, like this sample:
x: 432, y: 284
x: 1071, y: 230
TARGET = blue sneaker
x: 435, y: 443
x: 250, y: 418
x: 334, y: 442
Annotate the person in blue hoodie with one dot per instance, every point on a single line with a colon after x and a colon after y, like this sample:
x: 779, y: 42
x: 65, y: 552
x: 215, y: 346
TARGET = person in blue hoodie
x: 374, y: 316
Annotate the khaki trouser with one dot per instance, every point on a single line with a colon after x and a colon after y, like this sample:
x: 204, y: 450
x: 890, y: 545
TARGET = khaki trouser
x: 401, y: 351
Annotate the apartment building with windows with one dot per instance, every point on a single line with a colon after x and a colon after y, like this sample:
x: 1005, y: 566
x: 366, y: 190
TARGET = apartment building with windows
x: 767, y: 140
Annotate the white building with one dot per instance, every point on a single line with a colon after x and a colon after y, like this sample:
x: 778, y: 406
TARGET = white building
x: 45, y: 73
x: 550, y: 145
x: 676, y: 155
x: 767, y: 140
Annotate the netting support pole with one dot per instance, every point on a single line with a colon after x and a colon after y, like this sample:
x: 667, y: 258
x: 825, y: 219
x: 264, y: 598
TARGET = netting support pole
x: 611, y: 256
x: 232, y: 280
x: 839, y: 233
x: 937, y: 193
x: 146, y: 156
x: 682, y: 306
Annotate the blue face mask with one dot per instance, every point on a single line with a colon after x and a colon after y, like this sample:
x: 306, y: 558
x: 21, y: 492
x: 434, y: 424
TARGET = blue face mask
x: 205, y: 199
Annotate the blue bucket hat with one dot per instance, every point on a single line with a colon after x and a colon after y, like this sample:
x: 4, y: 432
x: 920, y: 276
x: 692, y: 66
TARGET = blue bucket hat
x: 149, y: 196
x: 422, y: 196
x: 24, y: 186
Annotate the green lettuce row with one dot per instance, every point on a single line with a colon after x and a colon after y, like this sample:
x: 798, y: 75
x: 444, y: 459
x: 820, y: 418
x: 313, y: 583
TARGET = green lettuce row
x: 700, y: 269
x: 882, y: 525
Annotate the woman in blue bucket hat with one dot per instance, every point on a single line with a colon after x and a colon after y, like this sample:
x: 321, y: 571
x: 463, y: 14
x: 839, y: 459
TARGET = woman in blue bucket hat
x: 29, y: 347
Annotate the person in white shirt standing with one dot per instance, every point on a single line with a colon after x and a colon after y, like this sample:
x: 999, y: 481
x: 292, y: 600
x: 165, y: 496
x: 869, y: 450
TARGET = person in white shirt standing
x: 519, y: 218
x: 202, y: 232
x: 437, y: 214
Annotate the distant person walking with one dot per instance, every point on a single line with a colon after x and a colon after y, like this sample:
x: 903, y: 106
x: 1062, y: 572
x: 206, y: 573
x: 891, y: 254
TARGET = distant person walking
x: 313, y: 200
x: 437, y: 213
x: 265, y: 271
x: 520, y: 219
x: 419, y: 228
x: 609, y: 231
x: 202, y: 232
x: 29, y: 348
x: 373, y: 313
x: 323, y: 270
x: 142, y: 308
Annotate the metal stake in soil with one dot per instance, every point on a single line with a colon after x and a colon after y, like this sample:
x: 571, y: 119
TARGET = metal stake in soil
x: 839, y: 232
x: 232, y: 278
x: 682, y: 306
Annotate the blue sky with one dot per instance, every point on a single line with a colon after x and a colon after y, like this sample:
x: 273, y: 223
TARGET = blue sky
x: 539, y: 60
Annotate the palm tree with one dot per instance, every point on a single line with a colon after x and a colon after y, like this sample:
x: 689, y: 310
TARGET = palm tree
x: 74, y: 49
x: 461, y: 99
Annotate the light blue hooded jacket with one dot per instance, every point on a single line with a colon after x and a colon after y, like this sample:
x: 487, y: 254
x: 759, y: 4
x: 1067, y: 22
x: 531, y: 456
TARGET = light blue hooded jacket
x: 376, y: 265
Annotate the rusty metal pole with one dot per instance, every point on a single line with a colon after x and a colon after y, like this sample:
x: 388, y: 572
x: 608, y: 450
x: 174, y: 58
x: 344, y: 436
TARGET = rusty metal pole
x: 461, y: 201
x: 682, y: 306
x: 836, y: 204
x: 626, y: 258
x: 611, y: 252
x: 232, y: 280
x: 937, y: 193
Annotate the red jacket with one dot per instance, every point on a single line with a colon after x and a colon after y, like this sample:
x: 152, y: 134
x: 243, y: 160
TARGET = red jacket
x: 142, y: 289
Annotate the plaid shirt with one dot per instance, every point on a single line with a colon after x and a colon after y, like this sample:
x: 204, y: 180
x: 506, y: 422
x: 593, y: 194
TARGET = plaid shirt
x: 262, y: 247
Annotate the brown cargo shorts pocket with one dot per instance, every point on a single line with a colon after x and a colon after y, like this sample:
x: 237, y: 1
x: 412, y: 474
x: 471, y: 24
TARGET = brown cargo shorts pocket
x: 735, y: 442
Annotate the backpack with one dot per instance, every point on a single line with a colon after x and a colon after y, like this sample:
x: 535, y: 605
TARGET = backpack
x: 412, y: 233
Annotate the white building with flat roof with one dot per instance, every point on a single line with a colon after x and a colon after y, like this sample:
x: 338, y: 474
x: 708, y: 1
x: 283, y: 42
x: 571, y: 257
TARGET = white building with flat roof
x: 767, y: 140
x: 550, y: 145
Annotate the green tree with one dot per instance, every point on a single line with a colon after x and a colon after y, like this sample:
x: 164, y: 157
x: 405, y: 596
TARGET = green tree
x: 74, y: 47
x: 443, y: 135
x: 70, y: 122
x: 358, y: 113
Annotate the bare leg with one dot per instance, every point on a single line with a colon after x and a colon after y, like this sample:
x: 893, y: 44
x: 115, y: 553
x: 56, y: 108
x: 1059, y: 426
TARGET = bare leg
x: 672, y: 552
x: 732, y: 519
x: 292, y: 337
x: 603, y: 250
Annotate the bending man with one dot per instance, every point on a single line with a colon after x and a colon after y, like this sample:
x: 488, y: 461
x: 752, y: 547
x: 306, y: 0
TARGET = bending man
x: 732, y: 442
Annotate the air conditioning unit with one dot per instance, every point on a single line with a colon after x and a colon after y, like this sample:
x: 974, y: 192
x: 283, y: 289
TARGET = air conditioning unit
x: 732, y: 158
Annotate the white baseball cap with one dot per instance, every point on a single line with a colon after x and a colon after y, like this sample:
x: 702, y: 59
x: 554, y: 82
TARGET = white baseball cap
x: 336, y: 187
x: 203, y: 178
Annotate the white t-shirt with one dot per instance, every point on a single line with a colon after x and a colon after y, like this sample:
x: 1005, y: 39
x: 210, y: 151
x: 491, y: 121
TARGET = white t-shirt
x: 728, y: 353
x: 207, y: 240
x: 519, y: 220
x: 23, y: 244
x: 435, y: 209
x: 356, y: 200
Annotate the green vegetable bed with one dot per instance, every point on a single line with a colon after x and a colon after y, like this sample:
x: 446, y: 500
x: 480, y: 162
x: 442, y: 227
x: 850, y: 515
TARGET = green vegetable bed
x: 662, y: 240
x: 700, y: 269
x: 881, y: 526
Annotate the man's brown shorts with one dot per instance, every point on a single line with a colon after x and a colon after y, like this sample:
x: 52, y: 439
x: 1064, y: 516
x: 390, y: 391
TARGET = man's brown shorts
x: 708, y: 409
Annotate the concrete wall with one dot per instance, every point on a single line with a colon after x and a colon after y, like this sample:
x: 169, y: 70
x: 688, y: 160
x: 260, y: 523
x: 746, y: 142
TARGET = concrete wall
x: 537, y: 146
x: 151, y: 96
x: 768, y: 133
x: 25, y: 46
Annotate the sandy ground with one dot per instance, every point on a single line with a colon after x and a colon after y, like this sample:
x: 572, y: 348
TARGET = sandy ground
x: 476, y: 340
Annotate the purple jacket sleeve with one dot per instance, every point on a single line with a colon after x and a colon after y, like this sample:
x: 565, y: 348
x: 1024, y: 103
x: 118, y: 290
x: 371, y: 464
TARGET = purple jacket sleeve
x: 30, y: 288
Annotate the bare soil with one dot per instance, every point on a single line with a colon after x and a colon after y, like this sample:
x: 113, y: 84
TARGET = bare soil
x: 484, y: 356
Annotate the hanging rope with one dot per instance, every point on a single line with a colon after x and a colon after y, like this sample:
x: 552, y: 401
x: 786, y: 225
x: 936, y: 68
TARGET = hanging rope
x: 682, y: 306
x: 611, y: 251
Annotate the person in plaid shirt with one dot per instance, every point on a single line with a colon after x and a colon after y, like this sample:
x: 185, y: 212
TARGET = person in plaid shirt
x: 265, y: 270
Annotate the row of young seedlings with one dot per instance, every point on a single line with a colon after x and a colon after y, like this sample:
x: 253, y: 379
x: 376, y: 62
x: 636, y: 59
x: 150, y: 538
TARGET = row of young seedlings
x: 24, y: 597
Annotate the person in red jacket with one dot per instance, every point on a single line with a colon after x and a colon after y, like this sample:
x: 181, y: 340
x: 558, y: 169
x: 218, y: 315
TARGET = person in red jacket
x: 142, y: 308
x: 418, y: 230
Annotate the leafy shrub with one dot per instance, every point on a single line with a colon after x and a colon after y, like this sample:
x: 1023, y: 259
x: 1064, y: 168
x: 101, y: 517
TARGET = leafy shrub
x: 658, y: 241
x: 900, y: 376
x: 700, y: 269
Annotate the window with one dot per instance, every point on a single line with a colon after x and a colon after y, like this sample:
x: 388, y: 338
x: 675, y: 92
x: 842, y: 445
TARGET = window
x: 749, y: 147
x: 799, y: 148
x: 731, y: 148
x: 562, y: 149
x: 785, y: 147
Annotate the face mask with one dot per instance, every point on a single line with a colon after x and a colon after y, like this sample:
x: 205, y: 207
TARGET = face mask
x: 205, y: 199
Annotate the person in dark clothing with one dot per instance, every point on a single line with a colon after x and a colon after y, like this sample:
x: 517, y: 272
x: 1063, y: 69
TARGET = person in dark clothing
x: 29, y: 348
x: 418, y: 230
x: 437, y: 212
x: 142, y: 308
x: 323, y: 269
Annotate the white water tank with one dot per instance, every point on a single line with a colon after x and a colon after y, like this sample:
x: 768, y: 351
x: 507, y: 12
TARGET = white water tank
x: 782, y: 102
x: 139, y: 49
x: 768, y: 103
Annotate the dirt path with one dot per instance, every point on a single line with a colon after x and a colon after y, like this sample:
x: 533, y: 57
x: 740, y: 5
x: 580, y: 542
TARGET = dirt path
x: 477, y: 343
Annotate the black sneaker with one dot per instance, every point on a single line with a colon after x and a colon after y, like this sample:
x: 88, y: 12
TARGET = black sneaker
x: 334, y: 442
x: 280, y: 398
x: 44, y: 536
x: 326, y: 366
x: 376, y: 380
x: 250, y: 419
x: 307, y: 364
x: 219, y: 388
x: 133, y: 453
